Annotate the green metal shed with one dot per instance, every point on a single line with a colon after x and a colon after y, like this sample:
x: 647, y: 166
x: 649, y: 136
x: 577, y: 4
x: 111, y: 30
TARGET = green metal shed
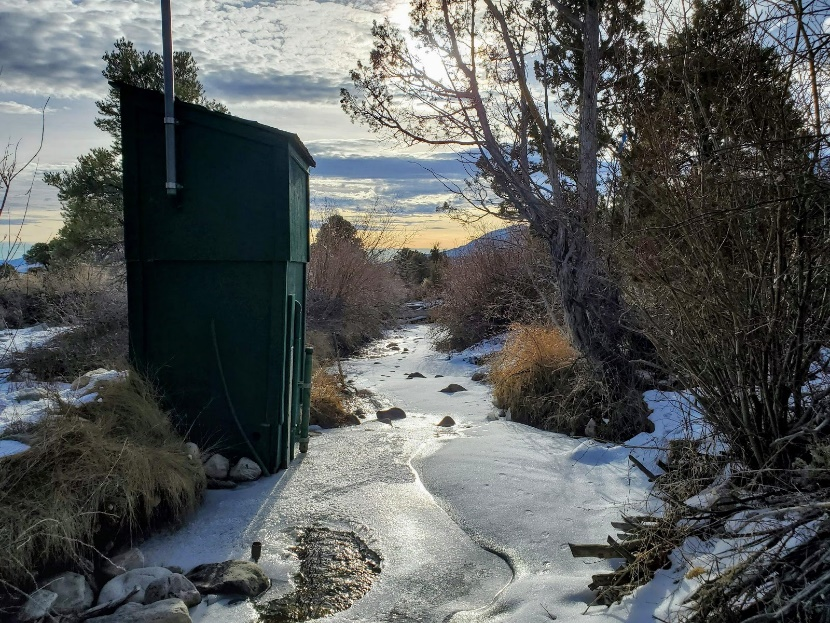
x: 216, y: 273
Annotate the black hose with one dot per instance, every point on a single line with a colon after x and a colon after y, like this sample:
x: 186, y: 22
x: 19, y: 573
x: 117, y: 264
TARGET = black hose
x: 230, y: 404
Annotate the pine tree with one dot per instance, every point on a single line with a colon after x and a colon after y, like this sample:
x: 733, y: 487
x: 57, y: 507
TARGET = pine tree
x: 91, y: 192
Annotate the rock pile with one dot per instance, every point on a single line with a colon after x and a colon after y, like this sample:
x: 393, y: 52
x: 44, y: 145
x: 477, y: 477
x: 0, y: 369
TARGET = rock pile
x: 140, y: 594
x: 219, y: 471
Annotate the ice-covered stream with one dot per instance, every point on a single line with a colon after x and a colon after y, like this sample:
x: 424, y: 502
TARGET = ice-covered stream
x: 472, y: 521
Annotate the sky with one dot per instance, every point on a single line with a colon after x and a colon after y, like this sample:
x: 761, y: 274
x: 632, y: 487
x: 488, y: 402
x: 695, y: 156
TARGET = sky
x: 278, y: 62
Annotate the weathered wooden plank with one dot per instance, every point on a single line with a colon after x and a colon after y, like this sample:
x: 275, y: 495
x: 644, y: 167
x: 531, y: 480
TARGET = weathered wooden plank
x: 624, y: 526
x: 592, y: 551
x: 618, y: 577
x: 650, y: 474
x: 622, y: 551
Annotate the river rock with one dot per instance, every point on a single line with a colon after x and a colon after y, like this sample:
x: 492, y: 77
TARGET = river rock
x: 452, y: 388
x: 591, y: 428
x: 217, y: 467
x: 172, y: 586
x: 244, y: 470
x: 164, y: 611
x: 86, y: 378
x: 192, y: 451
x: 446, y: 421
x: 415, y: 375
x: 478, y: 376
x: 121, y: 585
x: 74, y: 594
x: 80, y: 382
x: 232, y: 577
x: 37, y: 606
x: 393, y: 413
x: 121, y: 563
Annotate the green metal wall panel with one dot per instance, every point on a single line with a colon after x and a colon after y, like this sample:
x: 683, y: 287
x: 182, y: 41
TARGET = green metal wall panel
x: 210, y: 271
x: 298, y: 194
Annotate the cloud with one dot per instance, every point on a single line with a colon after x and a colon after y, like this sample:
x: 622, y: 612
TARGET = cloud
x: 16, y: 108
x: 245, y: 86
x: 281, y: 62
x: 282, y: 48
x: 399, y: 167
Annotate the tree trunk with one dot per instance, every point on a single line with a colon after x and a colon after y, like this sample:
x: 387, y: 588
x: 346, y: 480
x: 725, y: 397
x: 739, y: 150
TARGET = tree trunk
x: 586, y: 181
x: 591, y: 301
x: 594, y: 316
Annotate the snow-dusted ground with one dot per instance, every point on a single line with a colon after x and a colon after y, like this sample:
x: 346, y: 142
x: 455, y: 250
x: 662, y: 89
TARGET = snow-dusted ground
x: 472, y: 521
x: 27, y: 401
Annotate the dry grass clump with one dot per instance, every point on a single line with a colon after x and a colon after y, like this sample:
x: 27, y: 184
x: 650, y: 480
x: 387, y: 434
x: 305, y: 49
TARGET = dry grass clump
x: 95, y: 476
x: 92, y: 300
x: 69, y: 355
x: 57, y: 296
x: 545, y: 382
x: 328, y: 401
x: 532, y: 376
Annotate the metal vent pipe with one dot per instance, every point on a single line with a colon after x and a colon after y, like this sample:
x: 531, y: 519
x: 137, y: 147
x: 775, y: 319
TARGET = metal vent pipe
x: 169, y: 94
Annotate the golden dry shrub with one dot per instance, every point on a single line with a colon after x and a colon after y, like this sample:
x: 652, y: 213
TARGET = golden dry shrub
x: 541, y: 379
x: 328, y: 405
x: 94, y: 476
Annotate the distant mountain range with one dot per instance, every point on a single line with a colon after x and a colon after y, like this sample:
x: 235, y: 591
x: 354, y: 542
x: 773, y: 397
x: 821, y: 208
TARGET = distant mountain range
x: 495, y: 235
x: 20, y: 265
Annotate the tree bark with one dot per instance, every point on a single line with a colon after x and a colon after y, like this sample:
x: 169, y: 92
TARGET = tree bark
x: 592, y: 303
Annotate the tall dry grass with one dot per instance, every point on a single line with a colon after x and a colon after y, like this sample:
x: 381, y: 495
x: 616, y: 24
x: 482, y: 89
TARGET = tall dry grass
x: 95, y: 476
x: 329, y: 399
x: 544, y: 382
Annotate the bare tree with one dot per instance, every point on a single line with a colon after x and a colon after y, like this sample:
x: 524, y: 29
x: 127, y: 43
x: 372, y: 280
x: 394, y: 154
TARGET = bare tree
x: 11, y: 167
x: 522, y: 91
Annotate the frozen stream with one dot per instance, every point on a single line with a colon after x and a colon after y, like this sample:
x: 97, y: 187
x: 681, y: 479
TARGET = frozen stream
x: 444, y: 507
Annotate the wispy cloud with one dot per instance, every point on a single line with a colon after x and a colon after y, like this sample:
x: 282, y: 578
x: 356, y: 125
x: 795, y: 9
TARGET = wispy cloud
x: 274, y: 48
x: 16, y: 108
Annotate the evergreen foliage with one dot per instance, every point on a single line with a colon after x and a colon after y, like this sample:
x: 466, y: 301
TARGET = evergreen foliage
x: 39, y: 253
x: 91, y: 192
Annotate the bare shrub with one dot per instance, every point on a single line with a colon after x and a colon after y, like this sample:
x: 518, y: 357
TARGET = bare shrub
x: 728, y: 245
x: 93, y: 301
x: 498, y: 282
x: 352, y: 293
x: 95, y: 475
